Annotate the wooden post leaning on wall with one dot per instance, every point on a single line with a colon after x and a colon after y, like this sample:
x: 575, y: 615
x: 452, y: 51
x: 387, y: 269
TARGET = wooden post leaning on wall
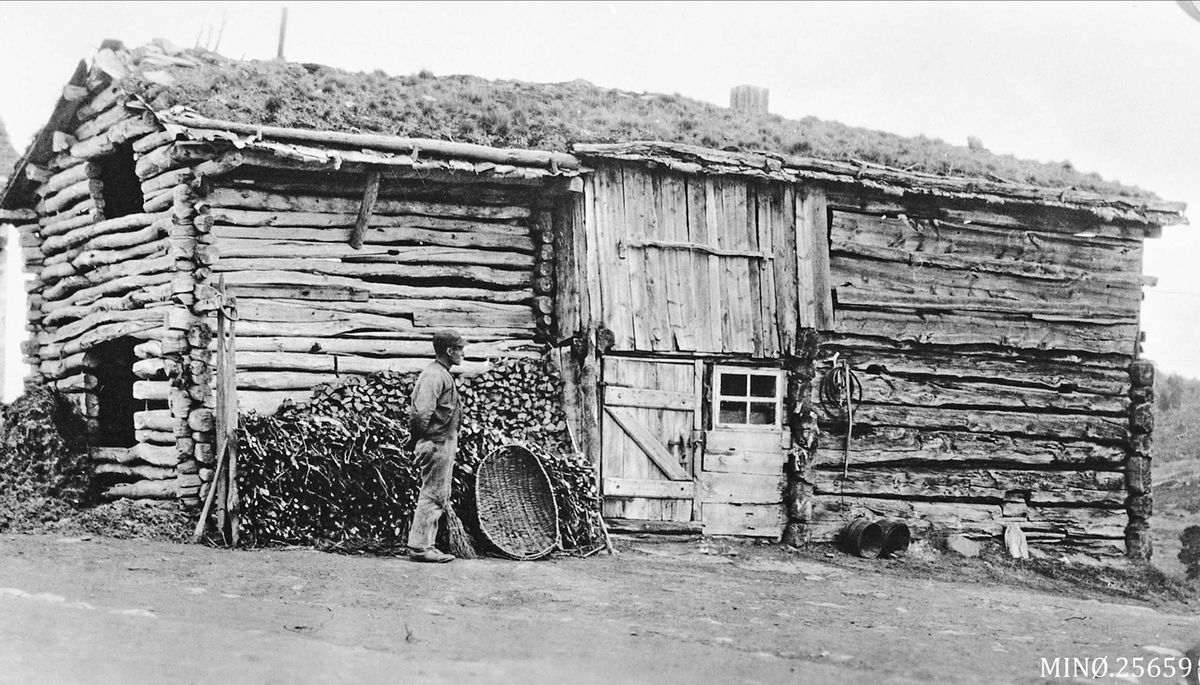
x: 227, y: 408
x: 222, y: 491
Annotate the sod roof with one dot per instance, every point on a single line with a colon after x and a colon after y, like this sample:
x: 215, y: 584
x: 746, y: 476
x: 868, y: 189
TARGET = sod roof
x: 553, y: 117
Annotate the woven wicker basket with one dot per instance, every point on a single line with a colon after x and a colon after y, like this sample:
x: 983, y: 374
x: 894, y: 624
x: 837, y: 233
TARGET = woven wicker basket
x: 515, y: 500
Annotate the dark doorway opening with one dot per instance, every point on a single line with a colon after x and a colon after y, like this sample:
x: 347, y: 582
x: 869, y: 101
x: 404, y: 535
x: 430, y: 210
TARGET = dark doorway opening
x: 122, y: 187
x: 114, y: 393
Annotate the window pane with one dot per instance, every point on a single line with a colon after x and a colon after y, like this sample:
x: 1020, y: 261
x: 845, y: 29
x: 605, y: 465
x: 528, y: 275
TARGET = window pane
x: 762, y: 413
x: 733, y: 384
x: 762, y: 386
x: 733, y: 412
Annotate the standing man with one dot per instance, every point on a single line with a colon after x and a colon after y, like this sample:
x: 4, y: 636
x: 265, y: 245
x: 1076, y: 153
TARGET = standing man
x: 433, y: 420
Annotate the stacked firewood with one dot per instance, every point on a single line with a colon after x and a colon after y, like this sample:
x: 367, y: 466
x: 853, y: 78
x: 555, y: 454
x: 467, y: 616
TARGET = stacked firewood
x: 335, y: 471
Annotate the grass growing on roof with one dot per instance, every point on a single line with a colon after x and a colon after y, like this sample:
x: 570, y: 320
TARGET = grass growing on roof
x: 554, y: 116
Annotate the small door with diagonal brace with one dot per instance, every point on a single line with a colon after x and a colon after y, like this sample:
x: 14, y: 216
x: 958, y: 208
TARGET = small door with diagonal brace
x: 649, y: 436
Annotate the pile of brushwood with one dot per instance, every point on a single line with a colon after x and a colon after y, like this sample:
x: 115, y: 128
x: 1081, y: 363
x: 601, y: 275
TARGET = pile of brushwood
x: 46, y: 483
x: 43, y: 459
x: 334, y: 473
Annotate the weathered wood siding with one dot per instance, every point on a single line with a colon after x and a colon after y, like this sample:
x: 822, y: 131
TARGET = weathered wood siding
x: 695, y: 264
x: 994, y: 363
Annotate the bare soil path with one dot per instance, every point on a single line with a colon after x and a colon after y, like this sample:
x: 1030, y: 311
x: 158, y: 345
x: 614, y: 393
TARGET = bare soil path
x: 101, y: 611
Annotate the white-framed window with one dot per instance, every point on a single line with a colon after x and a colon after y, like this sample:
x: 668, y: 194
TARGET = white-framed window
x: 747, y: 398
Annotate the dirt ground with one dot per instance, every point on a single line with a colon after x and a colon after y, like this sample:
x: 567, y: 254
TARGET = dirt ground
x: 100, y: 610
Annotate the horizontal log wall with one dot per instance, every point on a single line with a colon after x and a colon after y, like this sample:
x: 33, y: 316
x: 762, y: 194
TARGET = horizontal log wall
x: 311, y: 306
x: 98, y: 276
x: 993, y: 354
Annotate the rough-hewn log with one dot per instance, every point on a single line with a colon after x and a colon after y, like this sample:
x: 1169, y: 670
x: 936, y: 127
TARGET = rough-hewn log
x: 55, y: 369
x: 80, y: 382
x: 942, y: 392
x: 56, y: 313
x: 352, y: 328
x: 1071, y: 373
x: 101, y: 101
x: 1021, y: 424
x: 65, y: 197
x: 61, y: 223
x: 911, y: 446
x: 77, y: 328
x: 1035, y: 332
x: 247, y: 199
x: 139, y: 471
x: 96, y: 336
x: 65, y: 179
x: 280, y: 379
x: 374, y: 254
x: 1141, y: 418
x: 330, y: 363
x: 1141, y: 373
x: 1094, y: 488
x: 100, y: 122
x: 974, y: 288
x: 363, y: 347
x: 469, y: 236
x: 144, y: 489
x: 82, y: 235
x: 151, y: 390
x: 252, y: 309
x: 389, y: 143
x: 1096, y: 256
x: 149, y: 369
x: 173, y: 156
x: 93, y: 259
x: 155, y: 421
x: 393, y: 317
x: 245, y: 281
x: 491, y: 276
x: 154, y: 141
x: 95, y: 280
x: 167, y: 181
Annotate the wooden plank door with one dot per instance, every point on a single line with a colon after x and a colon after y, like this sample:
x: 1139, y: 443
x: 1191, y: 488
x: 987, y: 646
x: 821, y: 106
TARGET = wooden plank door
x: 741, y: 479
x: 741, y: 484
x: 648, y: 429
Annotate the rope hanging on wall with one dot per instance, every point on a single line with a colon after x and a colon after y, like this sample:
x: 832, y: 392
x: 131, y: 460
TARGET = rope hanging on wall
x: 840, y: 391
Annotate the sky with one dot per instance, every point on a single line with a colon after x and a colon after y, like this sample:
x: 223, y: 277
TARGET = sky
x: 1113, y: 87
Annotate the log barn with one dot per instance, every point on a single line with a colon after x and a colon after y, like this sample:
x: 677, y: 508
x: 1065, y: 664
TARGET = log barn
x: 757, y: 343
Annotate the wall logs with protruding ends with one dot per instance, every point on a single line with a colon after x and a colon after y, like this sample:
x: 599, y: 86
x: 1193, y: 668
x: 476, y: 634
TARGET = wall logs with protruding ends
x: 440, y: 244
x: 101, y: 275
x: 1138, y: 460
x: 994, y: 353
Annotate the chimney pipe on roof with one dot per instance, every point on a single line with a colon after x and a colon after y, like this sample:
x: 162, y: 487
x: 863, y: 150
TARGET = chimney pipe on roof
x: 748, y: 99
